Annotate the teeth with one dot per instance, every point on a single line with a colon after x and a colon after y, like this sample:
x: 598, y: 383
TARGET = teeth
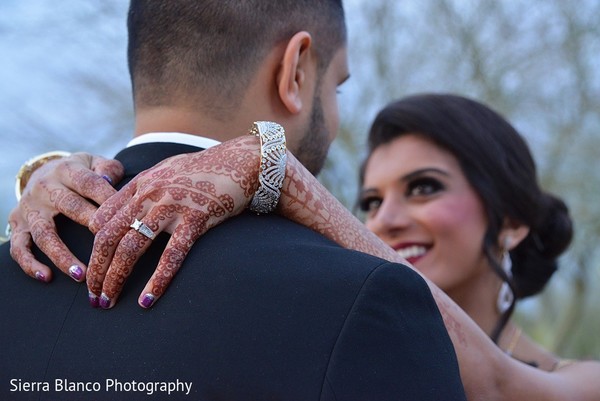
x: 412, y: 251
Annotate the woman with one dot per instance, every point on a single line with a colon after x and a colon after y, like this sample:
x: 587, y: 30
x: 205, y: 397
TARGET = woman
x: 462, y: 195
x: 452, y: 187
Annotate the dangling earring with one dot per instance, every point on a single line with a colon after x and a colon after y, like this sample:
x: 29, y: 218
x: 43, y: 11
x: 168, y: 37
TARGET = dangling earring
x: 505, y: 296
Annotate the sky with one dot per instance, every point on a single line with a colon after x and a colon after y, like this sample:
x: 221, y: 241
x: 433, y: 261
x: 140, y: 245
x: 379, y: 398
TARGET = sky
x: 48, y: 49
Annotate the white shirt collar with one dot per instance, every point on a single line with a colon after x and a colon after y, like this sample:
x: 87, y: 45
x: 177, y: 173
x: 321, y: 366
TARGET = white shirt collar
x: 174, y: 137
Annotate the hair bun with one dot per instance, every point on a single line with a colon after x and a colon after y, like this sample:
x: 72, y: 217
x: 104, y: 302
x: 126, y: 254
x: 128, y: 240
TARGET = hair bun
x: 555, y: 229
x: 534, y: 260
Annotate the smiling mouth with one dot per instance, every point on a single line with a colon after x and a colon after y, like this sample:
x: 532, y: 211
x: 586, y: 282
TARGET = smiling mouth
x: 412, y: 253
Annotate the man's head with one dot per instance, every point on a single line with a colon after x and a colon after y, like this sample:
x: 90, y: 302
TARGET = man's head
x: 208, y: 56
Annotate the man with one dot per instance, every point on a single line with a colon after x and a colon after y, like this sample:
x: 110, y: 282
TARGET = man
x: 262, y: 308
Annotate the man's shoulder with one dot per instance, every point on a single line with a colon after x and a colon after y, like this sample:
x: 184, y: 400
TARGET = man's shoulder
x: 274, y: 239
x: 252, y: 230
x: 4, y: 251
x: 274, y: 249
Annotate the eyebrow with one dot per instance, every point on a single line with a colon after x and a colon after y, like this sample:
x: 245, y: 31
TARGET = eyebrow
x: 409, y: 177
x: 422, y: 171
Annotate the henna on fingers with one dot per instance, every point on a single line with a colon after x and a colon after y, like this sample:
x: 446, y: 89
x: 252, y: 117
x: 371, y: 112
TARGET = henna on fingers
x: 105, y: 245
x: 195, y: 223
x: 20, y: 248
x: 111, y: 207
x: 72, y: 186
x: 184, y: 196
x: 182, y: 239
x: 129, y: 250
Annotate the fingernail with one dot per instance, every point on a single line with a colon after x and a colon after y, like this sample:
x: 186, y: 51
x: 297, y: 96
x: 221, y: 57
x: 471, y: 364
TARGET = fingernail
x: 40, y: 276
x: 76, y: 272
x: 108, y: 179
x: 94, y: 301
x: 104, y: 301
x: 148, y: 300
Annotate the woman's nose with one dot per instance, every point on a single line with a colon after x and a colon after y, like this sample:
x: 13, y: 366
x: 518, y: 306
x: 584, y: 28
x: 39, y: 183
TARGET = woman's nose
x: 391, y: 217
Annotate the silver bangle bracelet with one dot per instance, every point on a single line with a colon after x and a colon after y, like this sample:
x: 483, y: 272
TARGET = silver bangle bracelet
x: 272, y: 165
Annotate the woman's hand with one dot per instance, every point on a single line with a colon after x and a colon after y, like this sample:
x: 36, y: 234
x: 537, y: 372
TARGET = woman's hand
x: 184, y: 196
x: 72, y: 186
x: 180, y: 196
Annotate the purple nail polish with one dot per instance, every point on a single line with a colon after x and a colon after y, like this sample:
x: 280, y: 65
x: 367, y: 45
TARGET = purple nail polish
x: 108, y: 179
x: 40, y: 276
x: 148, y: 300
x: 76, y: 272
x: 104, y: 301
x: 94, y: 301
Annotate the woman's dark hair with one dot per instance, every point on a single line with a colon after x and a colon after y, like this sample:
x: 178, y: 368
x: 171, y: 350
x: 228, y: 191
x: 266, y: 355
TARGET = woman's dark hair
x: 497, y: 162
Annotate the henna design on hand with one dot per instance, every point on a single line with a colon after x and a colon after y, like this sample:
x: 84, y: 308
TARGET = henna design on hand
x: 184, y: 195
x: 64, y: 186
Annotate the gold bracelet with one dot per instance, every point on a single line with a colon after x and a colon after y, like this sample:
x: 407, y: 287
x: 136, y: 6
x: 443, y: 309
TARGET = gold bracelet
x: 33, y: 164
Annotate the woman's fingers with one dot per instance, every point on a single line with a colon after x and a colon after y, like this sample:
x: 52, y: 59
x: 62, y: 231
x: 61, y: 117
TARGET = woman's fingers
x: 131, y: 247
x: 113, y: 205
x: 43, y: 233
x: 87, y: 184
x: 20, y: 249
x: 103, y: 251
x: 179, y: 245
x: 110, y: 170
x: 68, y: 186
x: 72, y: 205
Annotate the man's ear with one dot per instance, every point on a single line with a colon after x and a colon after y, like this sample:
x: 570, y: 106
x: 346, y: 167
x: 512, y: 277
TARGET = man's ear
x: 295, y: 72
x: 512, y: 233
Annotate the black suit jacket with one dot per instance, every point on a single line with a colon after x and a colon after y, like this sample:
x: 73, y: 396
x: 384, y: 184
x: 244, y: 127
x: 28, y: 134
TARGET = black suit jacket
x: 262, y: 309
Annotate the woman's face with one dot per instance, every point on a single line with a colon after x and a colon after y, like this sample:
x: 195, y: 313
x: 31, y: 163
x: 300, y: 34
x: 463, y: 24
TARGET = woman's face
x: 420, y: 203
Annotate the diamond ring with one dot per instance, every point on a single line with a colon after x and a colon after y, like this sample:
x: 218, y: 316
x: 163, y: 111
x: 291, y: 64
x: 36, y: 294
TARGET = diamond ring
x: 142, y: 229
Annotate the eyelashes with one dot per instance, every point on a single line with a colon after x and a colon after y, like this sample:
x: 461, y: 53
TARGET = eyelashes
x: 369, y: 203
x: 419, y: 189
x: 424, y: 186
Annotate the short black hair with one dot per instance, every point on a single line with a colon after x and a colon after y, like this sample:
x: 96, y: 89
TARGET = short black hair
x: 211, y: 48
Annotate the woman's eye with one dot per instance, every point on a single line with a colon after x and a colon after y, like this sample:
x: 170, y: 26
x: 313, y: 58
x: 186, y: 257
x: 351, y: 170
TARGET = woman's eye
x: 370, y: 204
x: 424, y: 187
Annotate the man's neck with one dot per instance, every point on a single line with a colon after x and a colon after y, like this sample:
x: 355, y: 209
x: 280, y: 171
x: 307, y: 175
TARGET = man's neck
x: 167, y: 119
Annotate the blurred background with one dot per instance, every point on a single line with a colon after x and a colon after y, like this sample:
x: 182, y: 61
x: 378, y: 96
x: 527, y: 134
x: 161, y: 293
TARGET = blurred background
x: 64, y: 85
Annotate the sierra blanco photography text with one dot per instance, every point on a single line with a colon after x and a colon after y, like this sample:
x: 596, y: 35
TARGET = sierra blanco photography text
x: 108, y: 385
